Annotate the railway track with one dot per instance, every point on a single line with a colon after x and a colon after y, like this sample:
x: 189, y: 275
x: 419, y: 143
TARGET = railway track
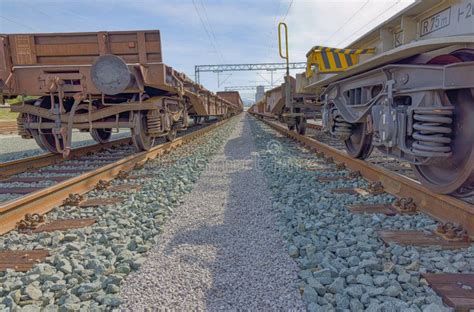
x: 443, y: 208
x: 21, y: 165
x: 343, y: 218
x: 75, y: 176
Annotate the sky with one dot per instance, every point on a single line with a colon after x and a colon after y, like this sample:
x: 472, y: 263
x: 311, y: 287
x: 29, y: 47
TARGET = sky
x: 196, y: 32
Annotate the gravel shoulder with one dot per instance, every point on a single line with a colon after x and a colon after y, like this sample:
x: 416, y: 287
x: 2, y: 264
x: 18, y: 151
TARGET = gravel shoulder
x: 343, y: 263
x: 221, y: 249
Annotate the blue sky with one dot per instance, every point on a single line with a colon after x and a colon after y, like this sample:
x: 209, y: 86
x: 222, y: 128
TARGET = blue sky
x: 210, y: 31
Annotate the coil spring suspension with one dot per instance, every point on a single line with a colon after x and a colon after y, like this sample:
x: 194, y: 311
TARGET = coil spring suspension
x: 20, y: 124
x: 342, y: 129
x: 154, y: 123
x: 431, y: 132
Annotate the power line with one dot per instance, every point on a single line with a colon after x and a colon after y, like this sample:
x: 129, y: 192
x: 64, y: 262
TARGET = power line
x: 205, y: 28
x: 287, y: 11
x: 385, y: 11
x: 347, y: 22
x: 15, y: 22
x: 212, y: 30
x: 273, y: 30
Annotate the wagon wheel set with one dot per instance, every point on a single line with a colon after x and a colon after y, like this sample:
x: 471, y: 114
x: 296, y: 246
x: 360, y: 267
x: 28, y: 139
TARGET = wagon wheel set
x: 453, y: 174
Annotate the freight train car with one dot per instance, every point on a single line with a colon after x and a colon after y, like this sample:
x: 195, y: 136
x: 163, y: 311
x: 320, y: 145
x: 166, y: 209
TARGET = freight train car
x: 98, y: 82
x: 407, y: 89
x: 295, y: 112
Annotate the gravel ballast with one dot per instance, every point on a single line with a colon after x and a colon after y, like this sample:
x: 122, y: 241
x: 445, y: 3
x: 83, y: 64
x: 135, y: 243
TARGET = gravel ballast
x: 343, y: 263
x: 87, y: 265
x: 220, y: 250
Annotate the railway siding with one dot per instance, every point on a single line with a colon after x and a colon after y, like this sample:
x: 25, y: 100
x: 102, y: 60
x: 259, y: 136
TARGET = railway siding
x: 343, y: 263
x: 87, y: 265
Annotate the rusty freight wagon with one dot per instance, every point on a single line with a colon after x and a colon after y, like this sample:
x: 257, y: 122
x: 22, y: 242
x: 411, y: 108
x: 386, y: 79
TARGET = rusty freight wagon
x: 97, y: 82
x: 407, y: 89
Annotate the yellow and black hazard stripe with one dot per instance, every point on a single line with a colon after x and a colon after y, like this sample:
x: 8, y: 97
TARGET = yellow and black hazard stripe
x: 331, y: 60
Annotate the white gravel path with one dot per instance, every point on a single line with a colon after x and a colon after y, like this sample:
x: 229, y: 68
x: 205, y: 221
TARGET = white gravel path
x: 221, y: 249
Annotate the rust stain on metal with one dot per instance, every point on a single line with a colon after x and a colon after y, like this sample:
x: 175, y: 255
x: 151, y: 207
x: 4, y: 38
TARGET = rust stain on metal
x: 122, y: 175
x: 404, y: 205
x: 97, y: 202
x: 102, y: 185
x: 452, y: 232
x: 420, y: 239
x: 125, y: 188
x: 21, y: 260
x: 375, y: 188
x: 30, y: 222
x: 65, y: 224
x: 372, y: 208
x: 457, y: 290
x: 139, y: 165
x: 73, y: 200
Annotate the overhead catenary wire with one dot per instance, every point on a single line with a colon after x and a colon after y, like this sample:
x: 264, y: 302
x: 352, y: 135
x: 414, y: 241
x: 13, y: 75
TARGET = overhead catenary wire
x: 206, y: 30
x: 288, y: 10
x: 348, y: 20
x: 371, y: 21
x: 272, y: 33
x: 211, y: 30
x: 16, y: 23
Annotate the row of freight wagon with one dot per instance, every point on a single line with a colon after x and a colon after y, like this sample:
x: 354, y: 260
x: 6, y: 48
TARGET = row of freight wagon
x: 101, y: 81
x: 405, y: 88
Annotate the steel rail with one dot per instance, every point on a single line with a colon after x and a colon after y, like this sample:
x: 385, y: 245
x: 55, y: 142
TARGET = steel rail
x: 21, y: 165
x: 443, y: 208
x: 44, y: 200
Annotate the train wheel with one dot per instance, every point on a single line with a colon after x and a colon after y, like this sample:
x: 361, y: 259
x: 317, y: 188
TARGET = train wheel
x: 359, y: 144
x: 45, y: 138
x: 46, y: 141
x: 454, y: 174
x: 101, y: 135
x: 140, y: 137
x: 171, y: 134
x: 301, y: 125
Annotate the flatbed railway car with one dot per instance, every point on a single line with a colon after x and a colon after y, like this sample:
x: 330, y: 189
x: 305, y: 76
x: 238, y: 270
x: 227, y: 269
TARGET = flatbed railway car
x: 97, y: 82
x: 274, y: 105
x: 407, y: 89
